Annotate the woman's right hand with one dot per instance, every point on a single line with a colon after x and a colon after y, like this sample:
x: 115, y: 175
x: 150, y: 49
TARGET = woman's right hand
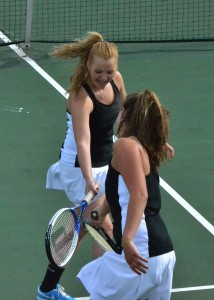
x: 91, y: 186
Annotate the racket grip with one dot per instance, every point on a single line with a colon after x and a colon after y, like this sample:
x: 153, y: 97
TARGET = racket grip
x: 94, y: 215
x: 90, y: 195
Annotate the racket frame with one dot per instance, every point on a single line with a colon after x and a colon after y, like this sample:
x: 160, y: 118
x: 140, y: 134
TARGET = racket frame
x: 49, y: 234
x: 107, y: 244
x: 77, y: 220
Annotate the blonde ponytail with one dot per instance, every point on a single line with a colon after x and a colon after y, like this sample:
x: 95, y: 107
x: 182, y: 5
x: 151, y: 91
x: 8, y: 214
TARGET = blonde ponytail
x: 86, y: 48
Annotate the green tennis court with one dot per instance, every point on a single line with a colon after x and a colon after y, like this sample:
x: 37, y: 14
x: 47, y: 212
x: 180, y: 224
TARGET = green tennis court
x: 33, y: 124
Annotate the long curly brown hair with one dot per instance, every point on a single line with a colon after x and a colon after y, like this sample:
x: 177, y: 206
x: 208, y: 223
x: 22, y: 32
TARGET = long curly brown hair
x: 148, y: 121
x: 92, y: 45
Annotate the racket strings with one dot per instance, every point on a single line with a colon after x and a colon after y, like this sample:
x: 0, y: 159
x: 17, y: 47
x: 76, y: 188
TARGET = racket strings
x: 95, y: 235
x: 63, y: 234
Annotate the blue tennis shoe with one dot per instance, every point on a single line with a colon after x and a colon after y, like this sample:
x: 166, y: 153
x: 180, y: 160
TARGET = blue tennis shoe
x: 56, y: 294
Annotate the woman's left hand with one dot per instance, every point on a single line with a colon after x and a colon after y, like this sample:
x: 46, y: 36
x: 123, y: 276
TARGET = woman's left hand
x: 135, y: 261
x: 170, y: 151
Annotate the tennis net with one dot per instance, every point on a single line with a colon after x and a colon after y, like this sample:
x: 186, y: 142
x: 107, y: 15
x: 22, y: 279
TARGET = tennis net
x: 117, y: 20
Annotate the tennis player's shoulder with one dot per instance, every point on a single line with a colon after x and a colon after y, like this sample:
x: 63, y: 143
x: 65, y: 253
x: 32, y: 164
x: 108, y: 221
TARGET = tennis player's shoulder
x: 118, y: 79
x: 80, y: 95
x: 126, y: 145
x: 79, y: 99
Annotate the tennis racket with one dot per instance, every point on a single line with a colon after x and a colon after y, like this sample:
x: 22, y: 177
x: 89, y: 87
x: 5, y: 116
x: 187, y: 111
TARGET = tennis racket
x: 100, y: 236
x: 63, y: 231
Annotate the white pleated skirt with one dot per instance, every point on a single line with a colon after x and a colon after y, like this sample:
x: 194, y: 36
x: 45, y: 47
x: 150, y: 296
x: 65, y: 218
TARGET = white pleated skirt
x: 110, y: 277
x: 71, y: 180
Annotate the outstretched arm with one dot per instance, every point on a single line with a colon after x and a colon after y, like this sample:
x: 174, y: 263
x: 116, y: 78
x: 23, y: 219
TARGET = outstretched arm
x: 80, y: 107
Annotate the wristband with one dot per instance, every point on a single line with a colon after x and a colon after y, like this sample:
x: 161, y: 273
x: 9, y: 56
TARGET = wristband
x: 126, y: 242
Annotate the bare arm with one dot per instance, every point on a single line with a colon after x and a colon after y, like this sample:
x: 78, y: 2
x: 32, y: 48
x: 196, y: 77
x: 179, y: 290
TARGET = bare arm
x: 120, y: 84
x: 127, y: 159
x: 118, y: 79
x: 80, y: 108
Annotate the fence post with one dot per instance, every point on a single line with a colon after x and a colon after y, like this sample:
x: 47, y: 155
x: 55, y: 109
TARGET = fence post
x: 28, y: 27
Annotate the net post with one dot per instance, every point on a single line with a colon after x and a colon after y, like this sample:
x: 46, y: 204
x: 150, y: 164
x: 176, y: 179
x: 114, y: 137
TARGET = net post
x: 28, y: 27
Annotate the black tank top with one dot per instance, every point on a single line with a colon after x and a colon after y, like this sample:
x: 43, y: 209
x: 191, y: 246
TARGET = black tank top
x: 101, y: 123
x: 158, y: 236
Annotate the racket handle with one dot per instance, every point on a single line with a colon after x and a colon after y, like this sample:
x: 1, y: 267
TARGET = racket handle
x: 94, y: 215
x: 90, y: 195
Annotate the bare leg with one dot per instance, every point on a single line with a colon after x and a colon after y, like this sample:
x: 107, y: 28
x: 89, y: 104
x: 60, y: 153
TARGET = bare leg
x: 97, y: 251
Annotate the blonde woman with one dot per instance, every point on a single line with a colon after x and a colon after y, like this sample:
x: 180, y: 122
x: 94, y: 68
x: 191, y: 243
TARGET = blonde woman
x: 95, y: 98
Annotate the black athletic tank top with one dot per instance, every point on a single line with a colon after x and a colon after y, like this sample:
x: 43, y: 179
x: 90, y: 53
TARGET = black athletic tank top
x: 158, y: 237
x: 101, y: 123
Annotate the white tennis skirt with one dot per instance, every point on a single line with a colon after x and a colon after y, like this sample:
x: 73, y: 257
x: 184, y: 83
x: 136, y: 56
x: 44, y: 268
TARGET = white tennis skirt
x: 71, y: 180
x: 110, y: 277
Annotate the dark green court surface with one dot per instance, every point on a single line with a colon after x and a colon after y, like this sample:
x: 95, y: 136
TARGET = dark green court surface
x: 33, y: 124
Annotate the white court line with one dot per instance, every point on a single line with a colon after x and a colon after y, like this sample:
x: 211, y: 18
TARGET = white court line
x: 188, y: 289
x: 33, y: 64
x: 62, y: 91
x: 163, y: 184
x: 187, y: 206
x: 194, y: 288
